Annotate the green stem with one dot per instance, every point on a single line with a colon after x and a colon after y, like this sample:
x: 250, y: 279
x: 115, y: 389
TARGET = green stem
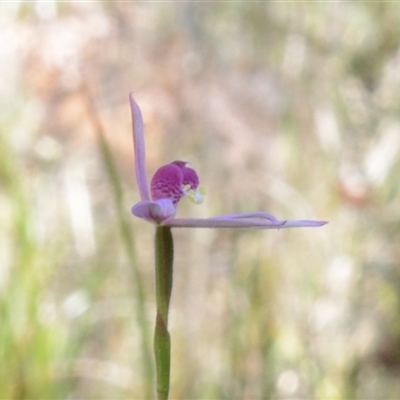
x: 162, y: 343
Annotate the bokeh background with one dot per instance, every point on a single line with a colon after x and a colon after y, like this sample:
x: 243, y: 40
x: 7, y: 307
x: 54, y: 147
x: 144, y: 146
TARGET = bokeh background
x: 291, y: 107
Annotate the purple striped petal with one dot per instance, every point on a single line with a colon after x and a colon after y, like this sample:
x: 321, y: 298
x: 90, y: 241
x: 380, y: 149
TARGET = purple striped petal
x: 167, y: 183
x: 173, y: 181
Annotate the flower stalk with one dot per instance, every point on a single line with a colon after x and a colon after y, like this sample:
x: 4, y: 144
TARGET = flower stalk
x: 164, y: 255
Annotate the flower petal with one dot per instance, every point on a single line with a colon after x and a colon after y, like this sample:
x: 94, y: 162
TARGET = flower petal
x: 154, y: 211
x: 139, y: 149
x: 239, y: 221
x: 167, y: 183
x: 189, y: 175
x: 256, y: 214
x: 223, y: 223
x: 303, y: 223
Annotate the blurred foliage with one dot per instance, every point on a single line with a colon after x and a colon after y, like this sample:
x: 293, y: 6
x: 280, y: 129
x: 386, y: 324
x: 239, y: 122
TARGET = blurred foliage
x: 288, y: 107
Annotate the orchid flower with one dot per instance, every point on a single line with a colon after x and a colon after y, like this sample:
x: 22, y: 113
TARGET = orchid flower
x: 158, y: 204
x: 176, y: 180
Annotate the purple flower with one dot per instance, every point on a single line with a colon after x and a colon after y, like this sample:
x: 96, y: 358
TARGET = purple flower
x: 173, y: 181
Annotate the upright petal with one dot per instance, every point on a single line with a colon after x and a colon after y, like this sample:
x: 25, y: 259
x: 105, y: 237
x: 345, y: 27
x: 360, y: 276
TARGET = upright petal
x: 139, y: 149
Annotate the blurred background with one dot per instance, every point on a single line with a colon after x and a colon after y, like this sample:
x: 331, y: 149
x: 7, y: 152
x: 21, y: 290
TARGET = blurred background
x: 281, y: 106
